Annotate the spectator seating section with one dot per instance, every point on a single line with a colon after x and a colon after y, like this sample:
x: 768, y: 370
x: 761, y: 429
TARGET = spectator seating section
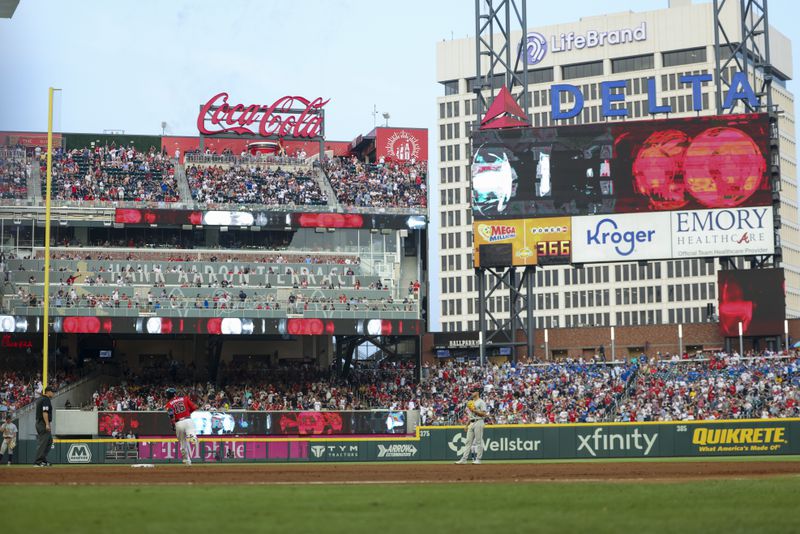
x: 401, y: 185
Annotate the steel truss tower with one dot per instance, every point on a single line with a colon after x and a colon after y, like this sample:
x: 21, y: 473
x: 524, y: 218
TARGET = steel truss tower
x: 495, y: 20
x: 744, y: 45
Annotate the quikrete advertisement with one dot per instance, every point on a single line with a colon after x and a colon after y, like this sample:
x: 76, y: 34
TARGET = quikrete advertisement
x: 709, y: 440
x: 522, y: 242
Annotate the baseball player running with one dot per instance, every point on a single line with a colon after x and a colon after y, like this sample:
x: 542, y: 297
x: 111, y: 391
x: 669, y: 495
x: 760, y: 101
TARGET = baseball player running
x: 476, y: 411
x: 180, y: 413
x: 9, y: 430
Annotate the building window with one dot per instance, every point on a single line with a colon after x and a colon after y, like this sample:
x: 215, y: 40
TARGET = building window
x: 451, y: 87
x: 582, y: 70
x: 627, y: 64
x: 684, y: 57
x: 540, y: 76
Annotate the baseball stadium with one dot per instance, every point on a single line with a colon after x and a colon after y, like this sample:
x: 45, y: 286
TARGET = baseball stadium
x: 569, y: 305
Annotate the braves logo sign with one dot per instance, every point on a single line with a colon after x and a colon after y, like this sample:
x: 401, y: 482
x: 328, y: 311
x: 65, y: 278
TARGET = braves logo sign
x: 402, y: 146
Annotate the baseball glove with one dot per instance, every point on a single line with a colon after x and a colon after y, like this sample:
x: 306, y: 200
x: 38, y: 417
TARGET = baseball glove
x: 471, y: 406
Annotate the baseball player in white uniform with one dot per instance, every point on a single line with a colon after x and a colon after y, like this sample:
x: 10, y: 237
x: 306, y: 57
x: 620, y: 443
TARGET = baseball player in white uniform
x: 9, y: 430
x: 476, y: 411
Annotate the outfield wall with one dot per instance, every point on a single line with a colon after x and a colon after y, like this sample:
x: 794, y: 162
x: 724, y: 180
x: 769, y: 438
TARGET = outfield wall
x: 753, y: 437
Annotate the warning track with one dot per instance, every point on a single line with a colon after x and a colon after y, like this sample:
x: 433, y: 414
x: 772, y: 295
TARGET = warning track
x: 405, y: 473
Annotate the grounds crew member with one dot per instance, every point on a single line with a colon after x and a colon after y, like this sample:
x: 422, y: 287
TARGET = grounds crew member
x: 44, y: 426
x: 476, y: 411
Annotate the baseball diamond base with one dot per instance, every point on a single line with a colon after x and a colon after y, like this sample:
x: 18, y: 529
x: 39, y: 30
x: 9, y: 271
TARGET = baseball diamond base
x: 349, y: 473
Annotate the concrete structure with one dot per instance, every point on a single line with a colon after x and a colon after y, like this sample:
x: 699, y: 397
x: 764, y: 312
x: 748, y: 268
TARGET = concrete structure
x: 663, y: 44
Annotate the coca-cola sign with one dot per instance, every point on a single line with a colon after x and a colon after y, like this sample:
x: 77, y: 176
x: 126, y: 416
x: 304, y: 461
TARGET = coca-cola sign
x: 289, y: 116
x: 7, y: 342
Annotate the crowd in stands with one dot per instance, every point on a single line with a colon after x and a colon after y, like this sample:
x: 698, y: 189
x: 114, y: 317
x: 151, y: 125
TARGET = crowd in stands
x: 382, y: 184
x: 13, y: 179
x: 239, y: 299
x: 113, y: 173
x: 260, y: 388
x: 253, y: 185
x: 717, y: 387
x: 19, y: 388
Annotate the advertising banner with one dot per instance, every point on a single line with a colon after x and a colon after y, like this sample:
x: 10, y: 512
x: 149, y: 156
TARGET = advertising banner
x: 268, y: 220
x: 722, y: 232
x: 257, y: 423
x: 604, y: 238
x: 752, y: 437
x: 520, y: 242
x: 174, y: 323
x: 401, y: 144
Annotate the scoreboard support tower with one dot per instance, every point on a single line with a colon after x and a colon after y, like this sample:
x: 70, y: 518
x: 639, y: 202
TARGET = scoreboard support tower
x: 496, y: 56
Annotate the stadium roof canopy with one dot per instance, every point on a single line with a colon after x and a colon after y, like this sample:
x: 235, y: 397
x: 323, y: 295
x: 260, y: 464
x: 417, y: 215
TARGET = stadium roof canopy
x: 7, y: 8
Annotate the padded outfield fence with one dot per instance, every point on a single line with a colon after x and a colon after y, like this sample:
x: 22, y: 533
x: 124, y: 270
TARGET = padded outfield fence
x: 752, y: 437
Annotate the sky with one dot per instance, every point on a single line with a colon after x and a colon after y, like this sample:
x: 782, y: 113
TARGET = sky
x: 131, y: 64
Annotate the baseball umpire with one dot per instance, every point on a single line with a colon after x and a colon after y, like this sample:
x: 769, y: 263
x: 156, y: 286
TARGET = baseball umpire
x: 476, y: 411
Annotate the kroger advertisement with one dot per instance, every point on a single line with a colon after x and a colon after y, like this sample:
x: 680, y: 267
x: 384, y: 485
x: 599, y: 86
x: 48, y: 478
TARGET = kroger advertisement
x: 522, y: 242
x: 678, y: 234
x: 692, y: 163
x: 603, y: 238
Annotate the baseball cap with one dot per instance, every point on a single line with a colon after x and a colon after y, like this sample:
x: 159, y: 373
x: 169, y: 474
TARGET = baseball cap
x: 52, y: 389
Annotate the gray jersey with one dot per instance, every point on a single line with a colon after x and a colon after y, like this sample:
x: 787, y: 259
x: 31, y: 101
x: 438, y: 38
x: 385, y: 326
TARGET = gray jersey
x: 9, y: 430
x: 478, y: 406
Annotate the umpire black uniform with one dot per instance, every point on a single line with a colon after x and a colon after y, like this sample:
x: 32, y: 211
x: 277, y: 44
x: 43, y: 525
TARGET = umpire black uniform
x: 44, y: 426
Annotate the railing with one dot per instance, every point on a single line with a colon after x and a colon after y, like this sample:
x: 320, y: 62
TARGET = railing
x: 202, y: 313
x: 230, y: 159
x: 13, y: 154
x: 288, y: 208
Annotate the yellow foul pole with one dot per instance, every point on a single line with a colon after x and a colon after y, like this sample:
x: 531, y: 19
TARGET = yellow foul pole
x: 46, y: 299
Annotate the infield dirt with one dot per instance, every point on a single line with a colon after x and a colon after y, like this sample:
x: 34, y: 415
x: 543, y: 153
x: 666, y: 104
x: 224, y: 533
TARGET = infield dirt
x: 395, y: 473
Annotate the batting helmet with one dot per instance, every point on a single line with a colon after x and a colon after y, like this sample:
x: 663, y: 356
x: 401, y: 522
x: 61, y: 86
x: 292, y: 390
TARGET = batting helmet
x: 170, y: 393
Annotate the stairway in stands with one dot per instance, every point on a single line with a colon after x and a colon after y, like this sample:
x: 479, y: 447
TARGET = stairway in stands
x: 35, y: 179
x: 325, y: 185
x: 183, y: 183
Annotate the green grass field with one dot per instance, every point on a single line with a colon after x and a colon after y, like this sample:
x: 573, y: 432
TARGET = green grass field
x: 753, y: 505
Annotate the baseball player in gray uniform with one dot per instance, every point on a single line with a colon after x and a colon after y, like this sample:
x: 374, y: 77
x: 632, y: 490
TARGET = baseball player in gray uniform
x: 9, y: 430
x: 476, y: 411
